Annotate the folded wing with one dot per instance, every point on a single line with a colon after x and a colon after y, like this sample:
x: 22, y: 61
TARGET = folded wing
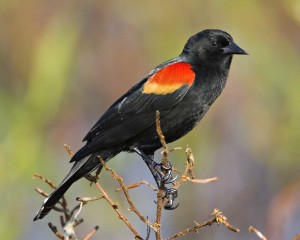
x: 134, y: 112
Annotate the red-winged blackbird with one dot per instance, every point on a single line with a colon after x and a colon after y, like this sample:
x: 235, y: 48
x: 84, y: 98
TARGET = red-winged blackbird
x: 181, y: 89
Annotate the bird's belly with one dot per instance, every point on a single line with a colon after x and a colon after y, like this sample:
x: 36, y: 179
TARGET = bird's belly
x: 179, y: 123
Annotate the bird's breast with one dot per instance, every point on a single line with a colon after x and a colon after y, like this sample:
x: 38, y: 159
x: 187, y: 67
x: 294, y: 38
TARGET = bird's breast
x: 188, y: 113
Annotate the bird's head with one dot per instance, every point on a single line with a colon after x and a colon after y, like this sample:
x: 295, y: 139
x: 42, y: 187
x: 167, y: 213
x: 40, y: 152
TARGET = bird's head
x: 209, y: 47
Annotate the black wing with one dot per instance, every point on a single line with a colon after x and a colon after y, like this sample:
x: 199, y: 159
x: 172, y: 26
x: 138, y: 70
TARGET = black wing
x: 133, y: 113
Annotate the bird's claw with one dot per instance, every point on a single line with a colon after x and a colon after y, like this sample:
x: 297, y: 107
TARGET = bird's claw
x: 161, y: 173
x: 164, y: 173
x: 170, y: 195
x: 168, y: 178
x: 91, y: 178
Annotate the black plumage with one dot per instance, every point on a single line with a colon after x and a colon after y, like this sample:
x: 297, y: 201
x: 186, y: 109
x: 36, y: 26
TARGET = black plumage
x: 130, y: 122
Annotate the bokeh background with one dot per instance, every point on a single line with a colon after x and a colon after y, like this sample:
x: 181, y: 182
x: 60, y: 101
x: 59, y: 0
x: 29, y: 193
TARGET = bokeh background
x: 62, y: 63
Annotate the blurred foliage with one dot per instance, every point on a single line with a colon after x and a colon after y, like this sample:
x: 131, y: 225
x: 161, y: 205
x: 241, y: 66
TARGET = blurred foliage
x: 62, y: 63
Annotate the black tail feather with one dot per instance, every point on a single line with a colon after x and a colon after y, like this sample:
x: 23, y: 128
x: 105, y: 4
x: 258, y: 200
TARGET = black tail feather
x: 79, y: 169
x: 53, y: 198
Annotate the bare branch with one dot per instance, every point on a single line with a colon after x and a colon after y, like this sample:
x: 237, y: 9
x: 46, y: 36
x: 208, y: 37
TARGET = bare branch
x: 162, y: 140
x: 297, y: 237
x: 134, y: 185
x: 69, y: 221
x: 115, y: 207
x: 190, y: 162
x: 89, y: 199
x: 91, y: 233
x: 258, y: 233
x: 127, y: 196
x: 218, y: 217
x: 159, y: 207
x: 184, y: 178
x: 49, y: 182
x: 161, y: 190
x: 222, y: 219
x: 78, y: 222
x: 55, y: 231
x: 196, y: 228
x: 69, y: 150
x: 40, y: 191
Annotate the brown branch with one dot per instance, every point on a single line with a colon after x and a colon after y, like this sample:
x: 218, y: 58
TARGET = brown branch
x: 183, y: 178
x: 67, y: 221
x: 222, y: 219
x: 296, y: 237
x: 115, y: 207
x: 49, y: 182
x: 218, y: 218
x: 91, y: 233
x: 188, y: 175
x: 206, y: 180
x: 58, y: 209
x: 78, y: 206
x: 55, y: 231
x: 175, y: 149
x: 134, y: 185
x: 72, y: 222
x: 64, y: 205
x: 89, y: 199
x: 69, y: 150
x: 190, y: 162
x: 161, y: 190
x: 40, y: 191
x: 193, y: 229
x: 63, y: 201
x: 127, y: 196
x: 258, y: 233
x: 78, y: 222
x: 164, y: 161
x: 159, y: 207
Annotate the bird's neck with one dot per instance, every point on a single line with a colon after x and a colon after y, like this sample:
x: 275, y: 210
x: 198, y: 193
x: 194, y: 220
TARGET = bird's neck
x: 218, y: 65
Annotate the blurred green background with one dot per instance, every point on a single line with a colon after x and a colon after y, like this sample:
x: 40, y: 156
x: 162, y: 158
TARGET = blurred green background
x: 62, y: 63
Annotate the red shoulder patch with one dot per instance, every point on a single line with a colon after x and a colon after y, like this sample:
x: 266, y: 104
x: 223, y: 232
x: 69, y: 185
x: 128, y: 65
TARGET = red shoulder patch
x: 169, y: 79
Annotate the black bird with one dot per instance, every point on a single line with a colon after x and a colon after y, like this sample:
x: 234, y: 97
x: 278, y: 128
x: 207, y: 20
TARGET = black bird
x: 181, y: 89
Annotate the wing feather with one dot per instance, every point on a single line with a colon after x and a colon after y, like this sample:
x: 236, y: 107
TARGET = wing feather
x: 135, y: 111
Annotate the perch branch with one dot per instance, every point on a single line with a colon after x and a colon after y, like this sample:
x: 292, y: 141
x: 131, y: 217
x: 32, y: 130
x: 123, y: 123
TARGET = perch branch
x: 134, y: 185
x: 218, y: 217
x: 115, y: 207
x: 127, y: 195
x: 297, y: 237
x: 258, y: 233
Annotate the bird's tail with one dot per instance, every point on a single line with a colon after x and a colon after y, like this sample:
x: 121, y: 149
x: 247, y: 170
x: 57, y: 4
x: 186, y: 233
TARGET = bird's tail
x: 52, y: 199
x: 79, y: 169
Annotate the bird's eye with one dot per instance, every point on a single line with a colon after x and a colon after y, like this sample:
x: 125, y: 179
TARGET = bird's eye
x: 214, y: 43
x: 224, y: 43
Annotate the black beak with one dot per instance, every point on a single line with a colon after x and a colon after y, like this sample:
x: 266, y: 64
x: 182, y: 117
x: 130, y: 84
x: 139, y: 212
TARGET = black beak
x: 232, y: 48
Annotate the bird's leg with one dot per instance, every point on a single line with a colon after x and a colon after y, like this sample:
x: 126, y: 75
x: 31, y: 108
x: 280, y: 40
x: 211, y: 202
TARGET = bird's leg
x: 162, y: 176
x: 161, y: 173
x: 93, y: 178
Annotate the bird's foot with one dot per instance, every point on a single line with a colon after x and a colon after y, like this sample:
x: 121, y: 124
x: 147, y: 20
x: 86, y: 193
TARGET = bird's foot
x: 94, y: 178
x: 91, y: 178
x: 164, y: 176
x: 170, y: 194
x: 162, y: 173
